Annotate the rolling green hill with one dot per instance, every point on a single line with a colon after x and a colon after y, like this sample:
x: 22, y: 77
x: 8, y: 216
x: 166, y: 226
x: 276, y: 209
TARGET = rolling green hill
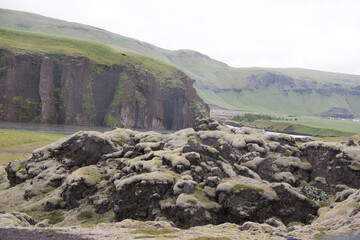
x: 272, y: 90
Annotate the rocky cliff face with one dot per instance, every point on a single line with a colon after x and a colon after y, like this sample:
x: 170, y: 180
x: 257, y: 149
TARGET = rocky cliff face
x: 74, y: 90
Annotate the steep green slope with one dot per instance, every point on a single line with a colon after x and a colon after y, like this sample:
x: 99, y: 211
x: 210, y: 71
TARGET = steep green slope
x: 302, y: 91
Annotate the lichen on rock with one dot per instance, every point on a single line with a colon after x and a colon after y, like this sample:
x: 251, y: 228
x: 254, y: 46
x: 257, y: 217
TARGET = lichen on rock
x: 188, y: 178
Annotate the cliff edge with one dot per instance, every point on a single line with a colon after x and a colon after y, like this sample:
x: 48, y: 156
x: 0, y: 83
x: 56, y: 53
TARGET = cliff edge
x: 67, y: 81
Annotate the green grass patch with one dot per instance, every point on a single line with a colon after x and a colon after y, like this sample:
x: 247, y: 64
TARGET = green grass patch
x: 292, y: 127
x: 52, y: 230
x: 276, y: 101
x: 243, y: 187
x: 193, y: 202
x: 199, y: 193
x: 19, y: 144
x: 56, y: 218
x: 155, y: 231
x: 84, y: 215
x: 335, y: 124
x: 9, y: 138
x: 250, y: 117
x: 6, y: 158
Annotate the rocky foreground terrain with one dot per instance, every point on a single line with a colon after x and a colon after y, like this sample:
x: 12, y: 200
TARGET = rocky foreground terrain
x: 206, y: 181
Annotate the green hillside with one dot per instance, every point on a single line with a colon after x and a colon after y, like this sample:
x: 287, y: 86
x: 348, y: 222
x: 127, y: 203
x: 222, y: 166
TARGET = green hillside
x: 272, y: 100
x: 19, y: 41
x: 273, y: 90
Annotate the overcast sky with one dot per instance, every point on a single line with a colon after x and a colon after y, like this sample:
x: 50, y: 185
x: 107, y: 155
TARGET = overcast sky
x: 315, y: 34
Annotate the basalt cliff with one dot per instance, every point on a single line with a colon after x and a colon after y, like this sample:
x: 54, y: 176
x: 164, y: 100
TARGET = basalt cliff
x: 252, y: 183
x: 85, y: 83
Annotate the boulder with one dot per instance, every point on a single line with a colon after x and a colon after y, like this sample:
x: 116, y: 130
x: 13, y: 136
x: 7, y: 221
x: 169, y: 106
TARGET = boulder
x: 138, y: 196
x: 336, y: 163
x: 79, y: 184
x: 15, y: 219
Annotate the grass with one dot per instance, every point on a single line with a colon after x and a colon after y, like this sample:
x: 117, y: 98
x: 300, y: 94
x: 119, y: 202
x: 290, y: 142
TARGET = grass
x: 49, y: 230
x: 84, y: 215
x: 20, y: 144
x: 276, y: 101
x: 245, y: 188
x: 250, y: 117
x: 356, y: 139
x: 314, y: 126
x: 291, y: 127
x: 56, y: 218
x: 19, y: 42
x: 336, y: 124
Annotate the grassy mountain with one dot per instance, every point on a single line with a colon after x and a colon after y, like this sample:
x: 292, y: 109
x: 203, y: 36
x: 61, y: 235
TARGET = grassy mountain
x: 272, y: 90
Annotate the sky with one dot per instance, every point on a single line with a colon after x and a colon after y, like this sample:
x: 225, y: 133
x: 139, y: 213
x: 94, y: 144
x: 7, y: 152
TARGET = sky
x: 314, y: 34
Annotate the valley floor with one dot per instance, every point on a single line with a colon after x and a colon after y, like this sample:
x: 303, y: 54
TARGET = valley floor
x: 337, y: 129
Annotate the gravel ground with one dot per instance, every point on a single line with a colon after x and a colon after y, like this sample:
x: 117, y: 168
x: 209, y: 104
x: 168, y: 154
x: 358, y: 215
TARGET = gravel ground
x: 25, y: 234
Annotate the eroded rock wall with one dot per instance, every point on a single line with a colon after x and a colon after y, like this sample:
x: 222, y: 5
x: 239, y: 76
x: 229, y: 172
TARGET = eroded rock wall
x: 74, y: 90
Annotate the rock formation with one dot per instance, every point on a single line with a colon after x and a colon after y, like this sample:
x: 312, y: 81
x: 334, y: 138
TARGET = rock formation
x: 55, y: 88
x: 207, y: 175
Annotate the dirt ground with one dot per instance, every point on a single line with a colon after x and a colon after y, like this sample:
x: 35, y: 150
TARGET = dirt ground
x: 24, y: 234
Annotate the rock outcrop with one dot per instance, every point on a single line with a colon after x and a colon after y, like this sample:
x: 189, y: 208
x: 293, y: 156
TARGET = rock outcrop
x: 188, y: 178
x: 56, y: 88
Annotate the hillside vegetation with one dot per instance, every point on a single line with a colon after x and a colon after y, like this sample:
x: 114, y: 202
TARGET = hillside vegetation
x: 270, y: 90
x: 73, y: 81
x: 305, y: 125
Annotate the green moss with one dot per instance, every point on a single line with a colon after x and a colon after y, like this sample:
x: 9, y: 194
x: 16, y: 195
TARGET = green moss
x: 155, y: 231
x: 103, y: 176
x: 112, y: 117
x: 84, y: 215
x: 56, y: 218
x: 139, y: 98
x: 111, y: 121
x: 322, y: 235
x: 206, y: 126
x: 121, y: 142
x: 243, y: 187
x: 3, y: 69
x: 199, y: 193
x: 197, y: 109
x: 52, y: 230
x: 191, y: 201
x: 25, y: 108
